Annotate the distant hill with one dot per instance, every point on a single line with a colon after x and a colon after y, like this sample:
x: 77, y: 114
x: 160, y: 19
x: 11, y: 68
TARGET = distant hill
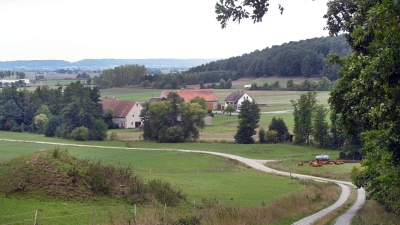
x: 303, y: 58
x: 35, y: 65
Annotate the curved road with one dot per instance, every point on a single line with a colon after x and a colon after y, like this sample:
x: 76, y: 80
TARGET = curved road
x: 344, y: 219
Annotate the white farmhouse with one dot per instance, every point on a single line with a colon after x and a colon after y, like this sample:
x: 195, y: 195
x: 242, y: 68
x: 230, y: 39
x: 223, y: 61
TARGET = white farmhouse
x: 126, y: 113
x: 236, y: 99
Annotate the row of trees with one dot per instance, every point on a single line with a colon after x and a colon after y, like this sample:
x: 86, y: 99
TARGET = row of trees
x: 121, y: 76
x: 9, y: 73
x: 323, y: 85
x: 73, y: 112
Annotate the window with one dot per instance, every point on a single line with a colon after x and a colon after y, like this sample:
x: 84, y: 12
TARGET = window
x: 131, y: 123
x: 133, y: 115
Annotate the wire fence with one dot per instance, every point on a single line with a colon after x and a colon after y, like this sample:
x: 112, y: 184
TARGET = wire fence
x: 189, y: 170
x: 121, y: 214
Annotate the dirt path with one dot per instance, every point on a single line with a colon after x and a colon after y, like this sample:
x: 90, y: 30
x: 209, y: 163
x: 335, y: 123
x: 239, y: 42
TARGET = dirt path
x: 344, y: 219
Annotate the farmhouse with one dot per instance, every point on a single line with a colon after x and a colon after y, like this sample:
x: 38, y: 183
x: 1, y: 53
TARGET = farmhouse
x: 236, y: 99
x: 126, y: 113
x: 187, y: 95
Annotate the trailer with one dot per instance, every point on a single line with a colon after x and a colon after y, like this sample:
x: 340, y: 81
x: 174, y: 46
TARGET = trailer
x: 322, y: 158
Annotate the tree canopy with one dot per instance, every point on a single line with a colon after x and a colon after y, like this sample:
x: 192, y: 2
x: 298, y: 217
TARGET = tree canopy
x: 366, y: 96
x: 173, y: 121
x: 249, y: 116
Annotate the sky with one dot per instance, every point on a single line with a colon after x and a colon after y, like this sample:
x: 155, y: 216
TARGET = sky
x: 73, y: 30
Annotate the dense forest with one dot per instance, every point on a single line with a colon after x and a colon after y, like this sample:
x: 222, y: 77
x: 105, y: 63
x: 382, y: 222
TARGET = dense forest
x: 294, y: 59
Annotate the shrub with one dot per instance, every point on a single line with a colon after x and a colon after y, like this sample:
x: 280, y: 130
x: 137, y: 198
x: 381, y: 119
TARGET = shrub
x: 98, y: 130
x: 172, y: 135
x: 261, y: 136
x: 271, y: 136
x: 80, y: 134
x: 164, y: 193
x: 113, y: 136
x: 40, y: 122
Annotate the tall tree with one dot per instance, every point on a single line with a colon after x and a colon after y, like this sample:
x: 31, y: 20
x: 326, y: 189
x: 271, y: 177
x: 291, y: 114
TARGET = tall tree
x: 249, y: 116
x: 303, y: 110
x: 367, y: 93
x: 320, y: 127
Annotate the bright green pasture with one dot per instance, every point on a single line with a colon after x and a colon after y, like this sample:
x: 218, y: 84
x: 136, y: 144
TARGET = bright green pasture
x: 223, y: 122
x: 131, y: 94
x: 199, y: 175
x: 23, y: 211
x: 256, y: 151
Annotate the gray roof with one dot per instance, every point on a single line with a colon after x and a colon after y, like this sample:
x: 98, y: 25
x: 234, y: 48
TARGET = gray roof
x: 234, y: 96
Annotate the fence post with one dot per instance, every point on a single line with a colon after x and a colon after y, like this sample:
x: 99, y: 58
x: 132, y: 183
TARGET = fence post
x: 165, y: 208
x: 92, y: 215
x: 34, y: 223
x: 135, y: 211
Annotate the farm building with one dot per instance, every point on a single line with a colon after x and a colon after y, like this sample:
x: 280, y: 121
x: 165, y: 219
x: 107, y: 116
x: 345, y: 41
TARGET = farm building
x: 126, y: 113
x: 26, y: 81
x: 187, y: 95
x: 236, y: 99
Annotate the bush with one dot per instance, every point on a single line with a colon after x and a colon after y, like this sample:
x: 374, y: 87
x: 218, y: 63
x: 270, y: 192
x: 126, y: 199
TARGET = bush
x: 172, y: 135
x: 271, y: 136
x: 261, y: 136
x: 165, y: 194
x: 113, y: 136
x: 80, y: 134
x: 99, y: 130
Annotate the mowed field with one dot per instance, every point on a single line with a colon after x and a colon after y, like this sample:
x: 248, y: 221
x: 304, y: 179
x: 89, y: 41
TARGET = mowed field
x: 199, y: 175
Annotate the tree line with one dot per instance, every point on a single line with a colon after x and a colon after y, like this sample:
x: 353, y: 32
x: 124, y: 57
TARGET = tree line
x: 71, y: 112
x: 9, y: 73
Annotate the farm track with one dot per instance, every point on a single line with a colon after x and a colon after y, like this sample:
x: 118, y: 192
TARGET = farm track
x: 344, y: 219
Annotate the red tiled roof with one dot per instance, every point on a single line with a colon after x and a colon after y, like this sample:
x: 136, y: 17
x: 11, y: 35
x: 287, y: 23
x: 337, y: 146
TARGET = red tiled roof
x: 121, y: 107
x: 187, y: 95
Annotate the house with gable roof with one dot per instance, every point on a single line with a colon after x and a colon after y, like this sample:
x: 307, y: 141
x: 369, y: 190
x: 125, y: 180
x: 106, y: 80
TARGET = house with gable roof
x: 187, y: 95
x: 126, y: 113
x: 236, y: 99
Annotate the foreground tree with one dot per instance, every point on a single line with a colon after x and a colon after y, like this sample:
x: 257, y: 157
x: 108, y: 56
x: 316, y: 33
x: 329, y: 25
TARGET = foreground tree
x: 366, y: 96
x: 249, y: 116
x: 235, y: 10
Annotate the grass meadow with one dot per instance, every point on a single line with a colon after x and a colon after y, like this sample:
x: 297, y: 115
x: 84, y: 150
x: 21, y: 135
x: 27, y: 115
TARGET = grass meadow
x: 207, y: 180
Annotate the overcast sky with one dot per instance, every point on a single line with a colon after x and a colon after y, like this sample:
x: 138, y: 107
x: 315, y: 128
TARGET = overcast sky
x: 73, y: 30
